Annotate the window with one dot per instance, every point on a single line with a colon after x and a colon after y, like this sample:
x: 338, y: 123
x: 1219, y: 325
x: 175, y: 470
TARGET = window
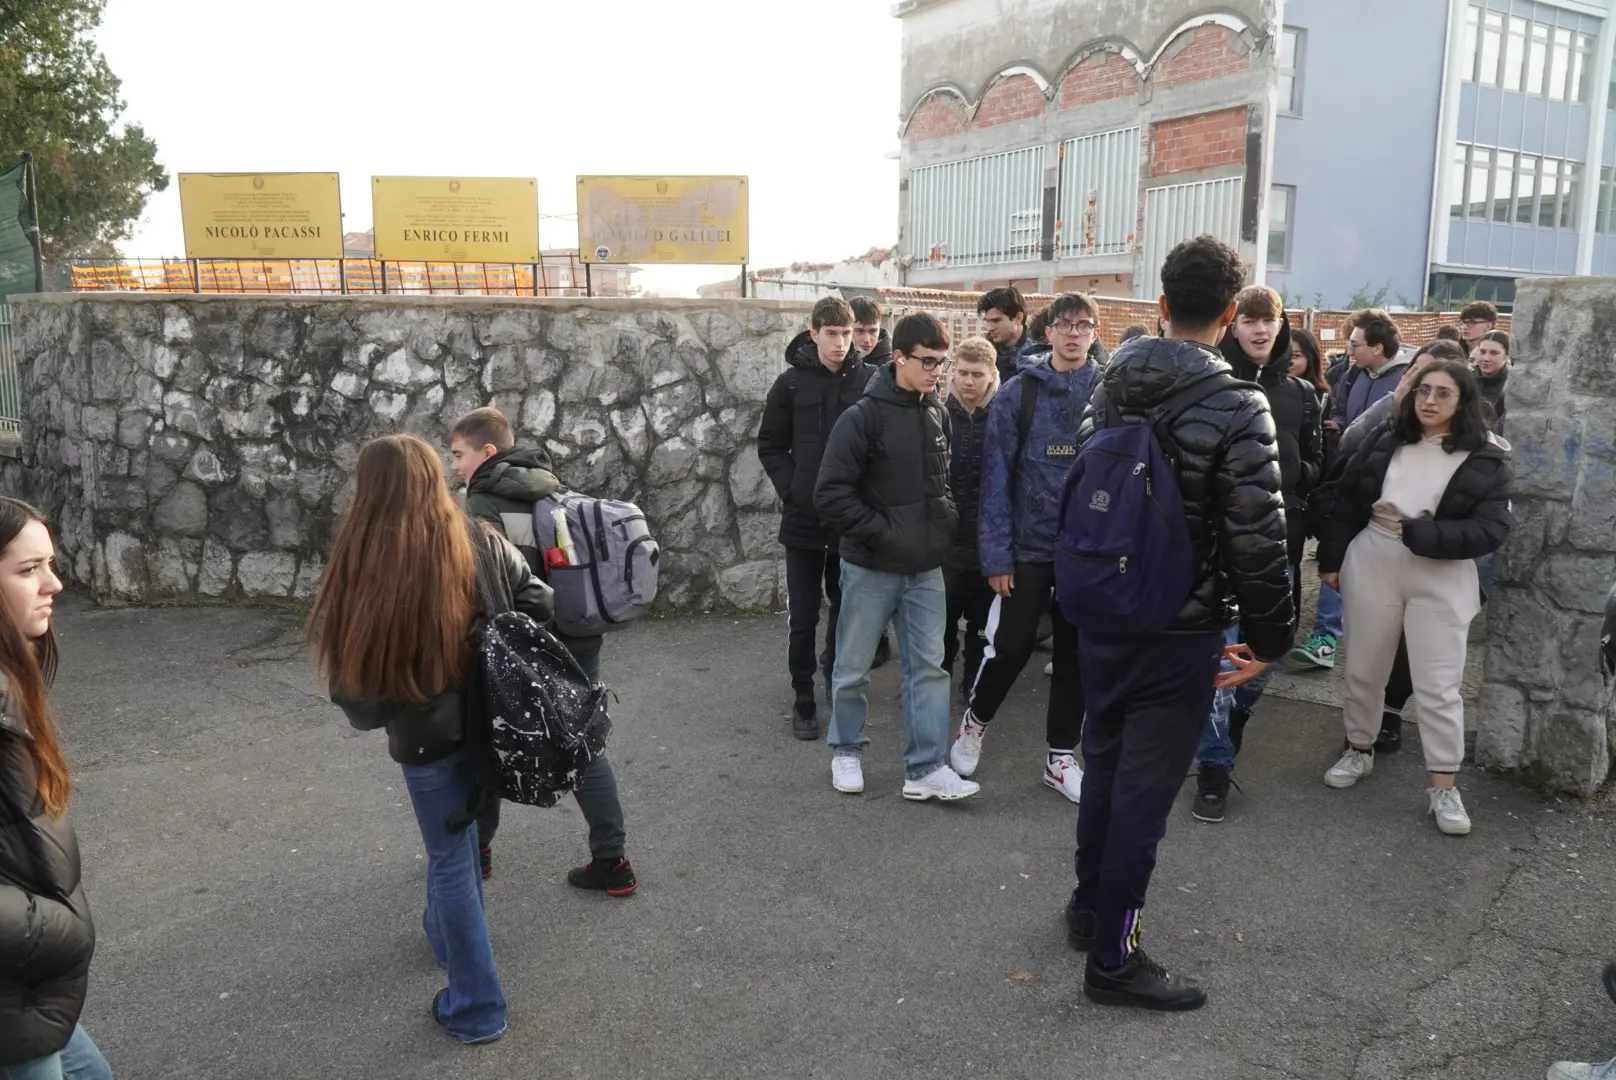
x: 1548, y: 194
x: 1456, y: 180
x: 1526, y: 192
x: 1481, y: 173
x: 1292, y: 50
x: 1281, y: 202
x: 1503, y: 186
x: 1506, y: 187
x: 1526, y: 56
x: 1605, y: 209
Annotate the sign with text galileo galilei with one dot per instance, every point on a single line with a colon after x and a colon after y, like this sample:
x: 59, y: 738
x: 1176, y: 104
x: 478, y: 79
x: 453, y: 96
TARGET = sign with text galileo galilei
x: 455, y: 219
x: 261, y: 215
x: 662, y: 219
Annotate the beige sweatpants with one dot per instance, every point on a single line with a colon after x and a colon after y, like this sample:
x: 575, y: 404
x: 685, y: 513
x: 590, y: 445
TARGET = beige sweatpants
x: 1387, y: 590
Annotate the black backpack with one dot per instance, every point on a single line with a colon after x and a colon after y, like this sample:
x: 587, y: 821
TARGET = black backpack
x: 534, y: 720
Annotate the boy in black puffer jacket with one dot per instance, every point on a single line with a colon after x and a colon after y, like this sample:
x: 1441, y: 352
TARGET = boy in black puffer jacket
x: 825, y: 376
x: 975, y: 381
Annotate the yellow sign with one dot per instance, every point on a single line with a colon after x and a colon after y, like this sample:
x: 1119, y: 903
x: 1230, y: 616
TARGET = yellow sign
x: 662, y: 219
x: 455, y: 219
x: 261, y: 215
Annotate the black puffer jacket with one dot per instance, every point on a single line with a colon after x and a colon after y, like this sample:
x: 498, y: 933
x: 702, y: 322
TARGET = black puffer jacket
x: 1295, y: 406
x: 1229, y: 480
x: 967, y: 433
x: 420, y: 734
x: 1472, y: 518
x: 883, y: 485
x: 46, y: 936
x: 802, y: 407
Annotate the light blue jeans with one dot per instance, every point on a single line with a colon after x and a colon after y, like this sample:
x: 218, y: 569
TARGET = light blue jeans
x: 1328, y: 620
x: 473, y: 1008
x: 78, y: 1060
x: 917, y: 605
x: 1216, y: 749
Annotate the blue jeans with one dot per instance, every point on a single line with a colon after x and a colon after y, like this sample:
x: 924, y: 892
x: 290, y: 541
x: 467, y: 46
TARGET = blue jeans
x: 78, y: 1060
x: 1216, y: 749
x: 1328, y: 620
x: 473, y: 1008
x: 918, y: 605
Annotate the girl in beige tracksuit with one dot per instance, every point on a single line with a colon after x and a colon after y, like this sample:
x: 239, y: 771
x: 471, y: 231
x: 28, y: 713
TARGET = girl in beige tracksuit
x: 1425, y: 495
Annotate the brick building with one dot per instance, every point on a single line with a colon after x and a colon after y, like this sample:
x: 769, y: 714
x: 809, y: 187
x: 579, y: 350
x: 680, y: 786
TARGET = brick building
x: 1436, y: 149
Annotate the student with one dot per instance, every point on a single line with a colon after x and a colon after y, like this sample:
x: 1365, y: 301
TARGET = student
x: 391, y: 631
x: 46, y: 935
x: 1022, y: 477
x: 1491, y: 361
x: 1004, y: 322
x: 1257, y: 346
x: 883, y: 488
x: 503, y: 481
x: 1148, y: 697
x: 974, y: 381
x: 824, y: 377
x: 870, y: 336
x: 1416, y: 505
x: 1477, y: 319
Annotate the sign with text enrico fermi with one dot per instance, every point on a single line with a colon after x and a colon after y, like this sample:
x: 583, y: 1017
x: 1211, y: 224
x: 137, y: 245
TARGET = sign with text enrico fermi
x: 261, y: 215
x: 662, y: 219
x: 455, y: 219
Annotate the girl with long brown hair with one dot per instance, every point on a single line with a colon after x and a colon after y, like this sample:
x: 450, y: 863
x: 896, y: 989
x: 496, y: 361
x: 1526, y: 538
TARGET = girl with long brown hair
x: 392, y: 632
x: 46, y: 935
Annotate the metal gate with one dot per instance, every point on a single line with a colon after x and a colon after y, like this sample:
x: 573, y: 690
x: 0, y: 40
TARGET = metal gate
x: 10, y: 383
x: 981, y: 210
x: 1099, y: 193
x: 1183, y: 211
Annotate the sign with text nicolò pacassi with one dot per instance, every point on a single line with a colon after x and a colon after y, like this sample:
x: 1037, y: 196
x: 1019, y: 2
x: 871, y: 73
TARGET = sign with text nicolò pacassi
x: 456, y: 218
x: 261, y: 215
x: 662, y: 219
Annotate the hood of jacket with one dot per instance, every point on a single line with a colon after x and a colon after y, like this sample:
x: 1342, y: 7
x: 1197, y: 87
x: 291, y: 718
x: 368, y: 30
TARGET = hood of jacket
x: 1148, y: 370
x: 522, y: 473
x: 884, y: 387
x: 1279, y: 360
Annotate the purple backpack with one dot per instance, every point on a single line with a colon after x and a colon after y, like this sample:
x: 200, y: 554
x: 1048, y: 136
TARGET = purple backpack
x: 1124, y: 563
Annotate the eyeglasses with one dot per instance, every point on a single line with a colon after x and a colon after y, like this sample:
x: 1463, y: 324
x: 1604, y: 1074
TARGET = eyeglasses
x: 1474, y: 322
x: 932, y: 363
x: 1066, y: 326
x: 1441, y: 393
x: 1357, y: 344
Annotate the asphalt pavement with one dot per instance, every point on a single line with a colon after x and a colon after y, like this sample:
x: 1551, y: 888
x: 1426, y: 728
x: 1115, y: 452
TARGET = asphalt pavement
x: 256, y: 878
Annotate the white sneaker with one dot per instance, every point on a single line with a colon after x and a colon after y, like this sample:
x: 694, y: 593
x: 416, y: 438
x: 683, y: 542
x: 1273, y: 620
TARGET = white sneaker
x: 966, y: 753
x: 1450, y: 812
x: 943, y: 784
x: 1354, y: 765
x: 1065, y: 775
x: 1577, y: 1070
x: 1049, y: 668
x: 847, y: 773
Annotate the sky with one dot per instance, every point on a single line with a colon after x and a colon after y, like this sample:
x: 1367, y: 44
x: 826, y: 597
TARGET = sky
x: 801, y: 96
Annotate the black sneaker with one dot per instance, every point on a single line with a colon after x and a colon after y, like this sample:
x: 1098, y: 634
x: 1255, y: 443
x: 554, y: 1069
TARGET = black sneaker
x: 485, y: 856
x: 883, y: 652
x: 1211, y: 794
x: 614, y: 877
x: 1079, y: 928
x: 804, y: 719
x: 1142, y: 983
x: 1390, y: 739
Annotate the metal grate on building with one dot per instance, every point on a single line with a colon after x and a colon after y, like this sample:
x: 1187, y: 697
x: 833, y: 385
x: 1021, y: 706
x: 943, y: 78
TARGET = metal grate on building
x: 10, y: 383
x: 981, y: 210
x: 1099, y: 193
x: 1182, y: 211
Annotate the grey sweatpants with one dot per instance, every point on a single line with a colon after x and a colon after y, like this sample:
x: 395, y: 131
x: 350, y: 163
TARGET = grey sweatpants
x: 1388, y: 591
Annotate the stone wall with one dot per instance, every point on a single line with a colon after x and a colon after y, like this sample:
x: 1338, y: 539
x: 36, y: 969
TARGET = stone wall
x: 197, y: 447
x: 1543, y: 705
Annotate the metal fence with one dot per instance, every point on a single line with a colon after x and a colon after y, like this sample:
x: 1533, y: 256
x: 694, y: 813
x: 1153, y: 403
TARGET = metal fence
x: 10, y: 383
x: 1099, y: 193
x: 1180, y: 211
x: 553, y: 277
x: 981, y: 210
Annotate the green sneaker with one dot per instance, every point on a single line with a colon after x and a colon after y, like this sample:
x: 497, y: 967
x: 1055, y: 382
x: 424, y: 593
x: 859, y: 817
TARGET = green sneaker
x: 1319, y: 651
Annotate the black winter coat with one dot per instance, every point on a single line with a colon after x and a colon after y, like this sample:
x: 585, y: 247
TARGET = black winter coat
x: 423, y: 733
x: 1472, y: 518
x: 1295, y: 406
x: 883, y: 486
x: 1229, y: 480
x: 46, y: 935
x: 802, y: 407
x: 502, y: 492
x: 967, y: 433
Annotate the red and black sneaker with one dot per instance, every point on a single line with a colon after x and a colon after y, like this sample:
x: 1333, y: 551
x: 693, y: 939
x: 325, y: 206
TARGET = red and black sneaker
x: 614, y: 877
x: 485, y: 856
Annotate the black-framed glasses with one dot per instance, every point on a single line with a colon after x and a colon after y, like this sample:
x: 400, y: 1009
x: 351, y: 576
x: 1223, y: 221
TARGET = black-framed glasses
x: 1067, y: 326
x: 932, y: 363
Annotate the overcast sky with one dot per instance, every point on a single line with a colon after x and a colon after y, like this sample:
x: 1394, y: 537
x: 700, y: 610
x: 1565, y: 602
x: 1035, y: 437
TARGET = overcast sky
x: 799, y: 95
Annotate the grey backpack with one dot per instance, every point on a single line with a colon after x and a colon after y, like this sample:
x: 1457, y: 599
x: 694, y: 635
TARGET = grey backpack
x: 612, y: 578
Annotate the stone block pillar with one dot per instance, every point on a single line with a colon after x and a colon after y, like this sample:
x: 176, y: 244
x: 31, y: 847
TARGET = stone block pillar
x: 1543, y: 705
